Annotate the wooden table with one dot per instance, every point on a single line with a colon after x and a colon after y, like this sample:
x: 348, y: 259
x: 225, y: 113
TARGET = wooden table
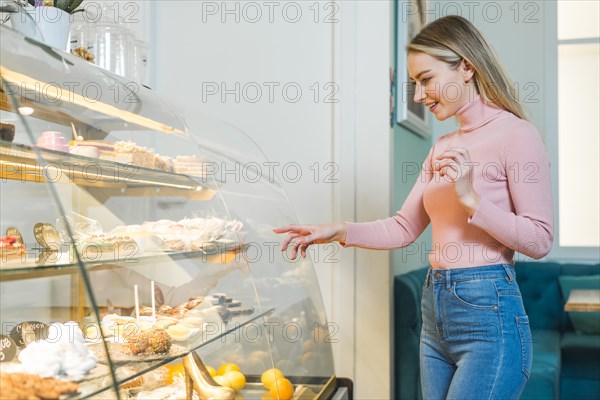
x: 584, y: 300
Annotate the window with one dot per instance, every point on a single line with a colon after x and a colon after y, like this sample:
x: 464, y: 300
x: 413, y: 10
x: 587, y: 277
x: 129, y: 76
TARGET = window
x: 578, y: 124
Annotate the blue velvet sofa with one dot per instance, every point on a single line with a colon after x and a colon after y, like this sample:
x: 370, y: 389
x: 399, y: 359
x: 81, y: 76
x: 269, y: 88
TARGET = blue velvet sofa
x: 566, y: 364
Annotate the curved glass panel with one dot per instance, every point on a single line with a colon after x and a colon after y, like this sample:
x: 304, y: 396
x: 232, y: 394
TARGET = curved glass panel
x: 297, y: 331
x: 159, y: 244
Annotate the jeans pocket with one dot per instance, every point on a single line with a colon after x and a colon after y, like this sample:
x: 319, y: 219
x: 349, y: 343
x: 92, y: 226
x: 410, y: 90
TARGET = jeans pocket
x: 476, y: 293
x: 526, y: 344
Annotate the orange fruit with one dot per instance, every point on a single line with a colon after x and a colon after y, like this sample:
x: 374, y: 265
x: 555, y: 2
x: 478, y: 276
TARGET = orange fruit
x: 269, y: 377
x: 267, y: 396
x: 211, y: 371
x: 222, y: 381
x: 282, y: 389
x: 223, y: 369
x: 237, y: 379
x: 174, y: 371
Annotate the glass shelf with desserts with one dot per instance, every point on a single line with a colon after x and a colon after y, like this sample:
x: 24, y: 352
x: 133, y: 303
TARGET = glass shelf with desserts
x: 54, y: 263
x: 137, y: 257
x: 20, y: 162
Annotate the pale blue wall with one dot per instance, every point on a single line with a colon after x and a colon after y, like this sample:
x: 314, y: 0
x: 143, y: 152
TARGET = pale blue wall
x: 409, y: 151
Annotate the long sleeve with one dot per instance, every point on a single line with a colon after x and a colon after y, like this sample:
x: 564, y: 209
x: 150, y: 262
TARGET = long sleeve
x: 400, y: 230
x: 530, y: 228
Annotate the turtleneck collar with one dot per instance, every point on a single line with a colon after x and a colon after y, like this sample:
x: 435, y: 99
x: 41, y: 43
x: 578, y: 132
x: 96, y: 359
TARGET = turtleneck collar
x: 476, y: 113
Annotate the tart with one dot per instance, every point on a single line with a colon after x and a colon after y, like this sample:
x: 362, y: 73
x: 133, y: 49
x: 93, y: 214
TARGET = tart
x: 11, y: 249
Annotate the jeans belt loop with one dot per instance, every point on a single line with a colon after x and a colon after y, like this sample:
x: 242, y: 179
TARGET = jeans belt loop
x: 448, y: 280
x: 508, y: 272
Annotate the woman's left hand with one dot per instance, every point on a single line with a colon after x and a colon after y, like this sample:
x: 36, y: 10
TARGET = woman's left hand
x: 456, y: 164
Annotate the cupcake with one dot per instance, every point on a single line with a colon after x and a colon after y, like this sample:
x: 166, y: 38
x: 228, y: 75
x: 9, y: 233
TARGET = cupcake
x: 7, y: 131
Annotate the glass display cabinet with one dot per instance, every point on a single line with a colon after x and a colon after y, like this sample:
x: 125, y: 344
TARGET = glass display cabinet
x: 137, y: 254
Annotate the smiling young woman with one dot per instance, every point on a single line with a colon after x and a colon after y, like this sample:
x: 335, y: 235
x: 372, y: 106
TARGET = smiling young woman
x: 485, y: 188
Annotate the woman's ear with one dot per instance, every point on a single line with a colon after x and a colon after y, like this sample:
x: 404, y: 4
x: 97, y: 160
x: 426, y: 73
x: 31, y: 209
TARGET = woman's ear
x: 467, y: 70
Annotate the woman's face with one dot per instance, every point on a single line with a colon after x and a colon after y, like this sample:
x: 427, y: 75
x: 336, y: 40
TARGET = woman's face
x: 442, y: 89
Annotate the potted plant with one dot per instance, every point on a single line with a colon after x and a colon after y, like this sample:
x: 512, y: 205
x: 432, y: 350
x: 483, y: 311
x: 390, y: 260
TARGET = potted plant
x: 68, y: 6
x: 51, y: 18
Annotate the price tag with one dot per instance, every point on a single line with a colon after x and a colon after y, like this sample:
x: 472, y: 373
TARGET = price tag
x: 8, y: 348
x: 29, y: 331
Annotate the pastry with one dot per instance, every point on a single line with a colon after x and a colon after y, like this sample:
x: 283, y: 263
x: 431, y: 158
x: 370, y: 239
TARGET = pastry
x: 175, y: 391
x: 92, y: 332
x: 165, y: 322
x: 82, y: 53
x: 153, y: 341
x: 32, y: 387
x: 194, y: 302
x: 163, y: 163
x: 62, y: 354
x: 11, y: 249
x: 133, y: 383
x: 98, y: 247
x: 127, y: 152
x: 52, y: 141
x: 118, y: 326
x: 146, y: 311
x: 150, y: 380
x: 195, y: 322
x: 86, y: 151
x: 99, y: 145
x: 165, y: 310
x: 7, y: 131
x: 190, y: 165
x: 47, y: 236
x: 181, y: 332
x: 192, y: 234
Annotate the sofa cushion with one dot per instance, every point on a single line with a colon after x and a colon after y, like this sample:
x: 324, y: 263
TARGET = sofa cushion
x: 407, y: 325
x: 580, y: 375
x: 542, y: 297
x: 544, y: 379
x: 579, y: 389
x: 583, y: 322
x: 580, y: 356
x: 538, y: 282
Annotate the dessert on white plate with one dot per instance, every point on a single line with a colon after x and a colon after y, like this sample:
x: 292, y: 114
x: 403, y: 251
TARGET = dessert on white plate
x: 62, y: 354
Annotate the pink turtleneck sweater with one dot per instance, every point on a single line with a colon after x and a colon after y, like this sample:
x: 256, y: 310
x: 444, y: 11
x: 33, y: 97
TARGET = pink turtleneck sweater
x: 512, y: 176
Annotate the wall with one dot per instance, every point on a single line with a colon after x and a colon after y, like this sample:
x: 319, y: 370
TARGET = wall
x: 410, y: 151
x: 516, y: 30
x: 210, y: 57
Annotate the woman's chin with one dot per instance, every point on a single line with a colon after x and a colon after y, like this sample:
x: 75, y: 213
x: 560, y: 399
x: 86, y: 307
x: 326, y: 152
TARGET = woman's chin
x: 440, y: 116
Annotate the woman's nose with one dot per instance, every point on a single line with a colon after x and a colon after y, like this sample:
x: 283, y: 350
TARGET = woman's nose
x: 419, y: 93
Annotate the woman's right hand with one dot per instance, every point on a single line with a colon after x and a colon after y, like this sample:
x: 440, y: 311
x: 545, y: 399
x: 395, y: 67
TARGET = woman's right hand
x: 306, y: 235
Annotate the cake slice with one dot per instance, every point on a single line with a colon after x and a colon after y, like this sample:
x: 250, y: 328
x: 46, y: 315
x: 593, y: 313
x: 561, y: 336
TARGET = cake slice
x: 10, y: 249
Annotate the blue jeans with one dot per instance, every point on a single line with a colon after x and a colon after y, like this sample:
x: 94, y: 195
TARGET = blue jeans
x: 475, y: 339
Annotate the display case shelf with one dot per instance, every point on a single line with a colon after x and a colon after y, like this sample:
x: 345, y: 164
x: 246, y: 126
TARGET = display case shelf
x: 74, y: 201
x: 140, y: 366
x: 230, y: 327
x: 106, y: 178
x: 56, y: 264
x: 46, y: 113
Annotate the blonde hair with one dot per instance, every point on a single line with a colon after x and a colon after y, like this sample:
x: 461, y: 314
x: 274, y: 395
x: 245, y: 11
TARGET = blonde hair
x: 452, y: 39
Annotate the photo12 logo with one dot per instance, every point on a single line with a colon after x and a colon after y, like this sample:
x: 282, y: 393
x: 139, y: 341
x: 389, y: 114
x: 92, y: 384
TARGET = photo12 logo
x: 252, y: 12
x: 271, y: 92
x: 489, y: 11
